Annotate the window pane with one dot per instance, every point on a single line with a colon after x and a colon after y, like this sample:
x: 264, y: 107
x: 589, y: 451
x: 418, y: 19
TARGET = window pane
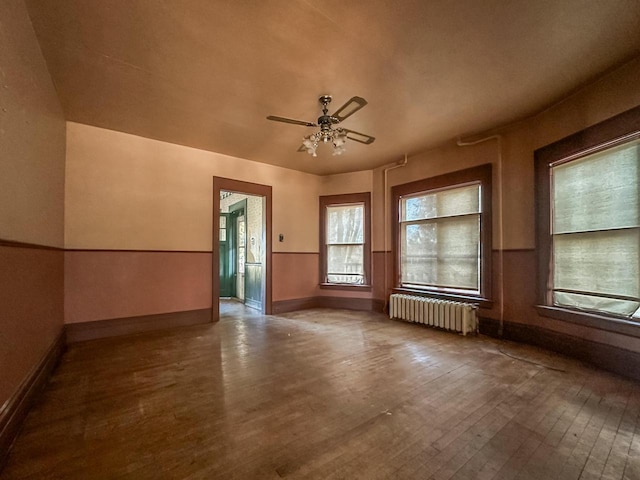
x: 345, y: 259
x: 345, y: 224
x: 445, y: 203
x: 598, y: 262
x: 597, y: 192
x: 345, y: 264
x: 442, y: 253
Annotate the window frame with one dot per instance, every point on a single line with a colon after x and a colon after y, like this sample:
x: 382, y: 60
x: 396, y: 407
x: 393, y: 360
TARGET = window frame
x: 343, y: 200
x: 481, y: 174
x: 602, y: 136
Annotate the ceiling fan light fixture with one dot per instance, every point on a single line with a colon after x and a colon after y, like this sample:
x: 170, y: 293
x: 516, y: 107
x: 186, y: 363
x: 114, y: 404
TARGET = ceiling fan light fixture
x: 337, y: 136
x: 311, y: 144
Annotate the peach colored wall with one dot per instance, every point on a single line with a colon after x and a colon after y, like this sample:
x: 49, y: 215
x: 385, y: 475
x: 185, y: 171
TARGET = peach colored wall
x: 107, y: 285
x: 444, y: 159
x: 355, y: 182
x: 32, y: 148
x: 129, y: 192
x: 295, y: 275
x: 32, y: 137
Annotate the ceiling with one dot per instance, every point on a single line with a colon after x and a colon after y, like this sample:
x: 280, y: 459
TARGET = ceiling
x: 206, y: 73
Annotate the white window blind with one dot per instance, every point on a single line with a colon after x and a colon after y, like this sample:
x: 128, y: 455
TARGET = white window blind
x: 596, y: 232
x: 440, y: 239
x: 345, y: 243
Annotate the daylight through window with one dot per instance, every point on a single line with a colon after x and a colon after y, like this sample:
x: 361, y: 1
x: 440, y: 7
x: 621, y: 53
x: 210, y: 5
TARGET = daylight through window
x: 595, y: 228
x: 440, y: 239
x: 345, y: 244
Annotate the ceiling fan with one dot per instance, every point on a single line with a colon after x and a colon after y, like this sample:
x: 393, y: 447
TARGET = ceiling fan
x: 338, y: 136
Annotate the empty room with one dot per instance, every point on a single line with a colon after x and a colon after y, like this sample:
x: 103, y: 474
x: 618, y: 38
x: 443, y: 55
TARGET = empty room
x: 320, y: 240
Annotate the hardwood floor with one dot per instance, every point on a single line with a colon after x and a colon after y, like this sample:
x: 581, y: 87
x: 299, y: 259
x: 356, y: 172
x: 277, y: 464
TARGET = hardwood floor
x: 326, y: 394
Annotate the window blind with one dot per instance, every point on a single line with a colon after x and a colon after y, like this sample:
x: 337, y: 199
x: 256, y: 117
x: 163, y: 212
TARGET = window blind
x: 596, y: 231
x: 345, y: 244
x: 440, y: 239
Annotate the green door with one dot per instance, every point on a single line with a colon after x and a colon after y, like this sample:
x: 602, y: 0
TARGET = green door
x: 227, y: 272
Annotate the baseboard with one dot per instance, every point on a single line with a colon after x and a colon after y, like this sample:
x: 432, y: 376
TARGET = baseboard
x: 347, y: 303
x: 284, y: 306
x: 79, y: 332
x: 17, y: 407
x: 614, y: 359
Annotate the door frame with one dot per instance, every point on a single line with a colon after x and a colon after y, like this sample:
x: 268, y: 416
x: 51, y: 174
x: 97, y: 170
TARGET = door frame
x: 248, y: 188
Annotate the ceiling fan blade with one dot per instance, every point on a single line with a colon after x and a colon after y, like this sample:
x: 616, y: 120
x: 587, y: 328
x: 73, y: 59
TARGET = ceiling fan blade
x: 359, y: 137
x: 349, y: 108
x: 302, y: 148
x: 290, y: 120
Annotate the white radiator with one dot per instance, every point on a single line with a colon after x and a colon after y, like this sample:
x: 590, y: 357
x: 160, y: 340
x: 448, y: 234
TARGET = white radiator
x: 457, y: 316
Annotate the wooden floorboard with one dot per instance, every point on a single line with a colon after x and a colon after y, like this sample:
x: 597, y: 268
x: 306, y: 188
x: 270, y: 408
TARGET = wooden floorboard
x: 326, y: 394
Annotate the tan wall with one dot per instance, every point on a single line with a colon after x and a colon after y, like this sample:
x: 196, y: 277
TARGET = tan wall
x: 32, y: 146
x: 355, y: 182
x: 32, y: 137
x: 125, y: 192
x: 129, y: 192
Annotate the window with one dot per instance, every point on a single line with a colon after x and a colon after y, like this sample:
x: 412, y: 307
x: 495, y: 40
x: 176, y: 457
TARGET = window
x: 345, y: 240
x: 588, y: 190
x: 440, y: 239
x: 443, y: 233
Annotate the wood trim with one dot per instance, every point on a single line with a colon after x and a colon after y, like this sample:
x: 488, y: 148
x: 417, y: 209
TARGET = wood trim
x: 481, y: 173
x: 592, y: 320
x: 14, y: 244
x: 346, y: 287
x: 615, y: 127
x: 482, y: 302
x: 350, y: 303
x: 115, y: 250
x: 346, y: 303
x: 79, y: 332
x: 249, y: 188
x: 623, y: 124
x: 284, y: 306
x: 15, y: 410
x: 295, y: 253
x: 614, y: 359
x: 513, y: 250
x: 325, y: 201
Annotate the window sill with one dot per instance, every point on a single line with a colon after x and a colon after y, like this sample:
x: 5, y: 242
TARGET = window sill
x: 593, y: 320
x: 456, y: 297
x: 344, y: 286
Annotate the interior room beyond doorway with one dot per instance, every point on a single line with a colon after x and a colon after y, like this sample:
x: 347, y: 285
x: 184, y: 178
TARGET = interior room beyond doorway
x: 242, y: 248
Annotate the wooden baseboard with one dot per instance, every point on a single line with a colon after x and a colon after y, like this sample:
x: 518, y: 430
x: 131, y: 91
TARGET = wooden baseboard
x: 15, y: 410
x: 614, y: 359
x: 284, y: 306
x: 347, y: 303
x: 79, y: 332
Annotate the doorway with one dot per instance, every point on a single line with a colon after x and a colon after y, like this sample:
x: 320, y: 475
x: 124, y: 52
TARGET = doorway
x: 232, y: 246
x: 241, y: 245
